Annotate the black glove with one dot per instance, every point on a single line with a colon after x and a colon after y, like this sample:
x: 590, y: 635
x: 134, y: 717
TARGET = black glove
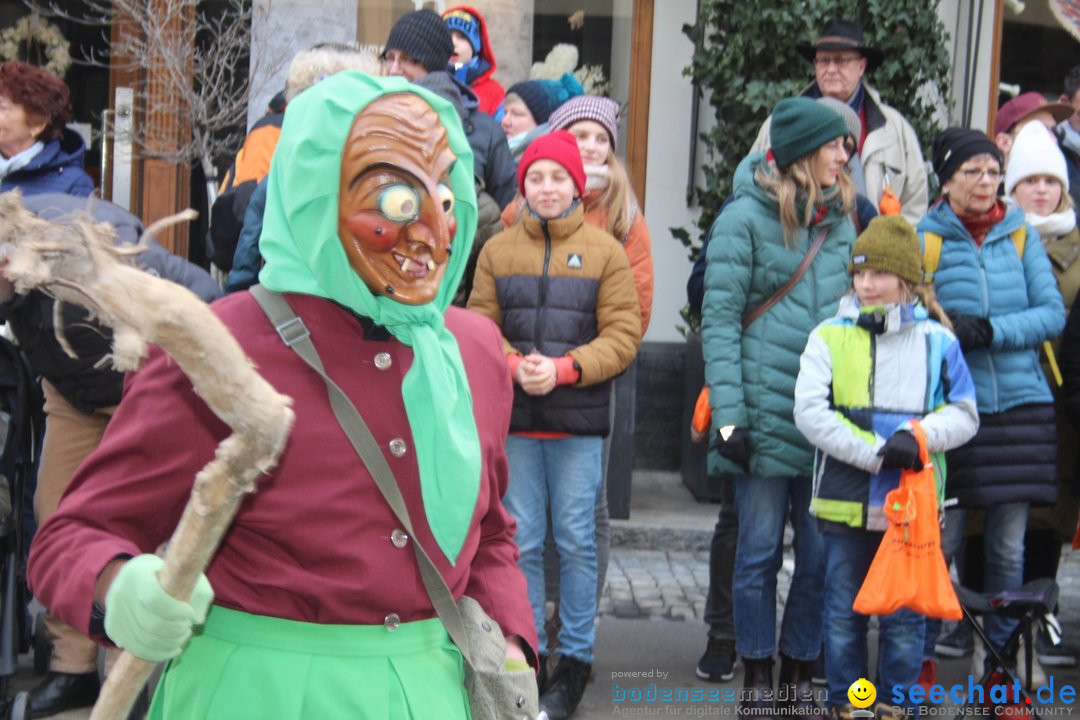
x: 736, y: 448
x: 972, y: 332
x: 900, y: 452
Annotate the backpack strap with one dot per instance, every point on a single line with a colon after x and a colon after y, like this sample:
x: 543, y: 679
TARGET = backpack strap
x: 931, y: 255
x: 1019, y: 238
x: 932, y: 250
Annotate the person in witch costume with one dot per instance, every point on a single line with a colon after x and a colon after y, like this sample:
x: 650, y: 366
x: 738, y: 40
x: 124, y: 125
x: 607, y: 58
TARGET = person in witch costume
x: 318, y: 608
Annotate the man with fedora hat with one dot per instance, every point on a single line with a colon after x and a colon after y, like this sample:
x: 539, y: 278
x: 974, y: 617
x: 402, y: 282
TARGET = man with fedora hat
x: 888, y: 150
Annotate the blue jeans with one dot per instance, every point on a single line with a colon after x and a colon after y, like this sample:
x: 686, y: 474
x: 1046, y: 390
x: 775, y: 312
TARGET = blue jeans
x: 900, y: 640
x: 564, y: 474
x: 764, y: 505
x: 1003, y: 545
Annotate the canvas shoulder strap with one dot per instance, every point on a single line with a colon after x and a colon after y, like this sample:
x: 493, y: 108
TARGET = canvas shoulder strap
x: 295, y: 334
x: 750, y: 317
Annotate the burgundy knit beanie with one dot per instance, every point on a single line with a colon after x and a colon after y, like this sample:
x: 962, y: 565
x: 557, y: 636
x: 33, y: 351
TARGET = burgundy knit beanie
x: 559, y: 146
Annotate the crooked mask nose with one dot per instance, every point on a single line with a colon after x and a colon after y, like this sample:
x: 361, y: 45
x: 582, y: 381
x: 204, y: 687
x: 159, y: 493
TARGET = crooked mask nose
x: 431, y: 229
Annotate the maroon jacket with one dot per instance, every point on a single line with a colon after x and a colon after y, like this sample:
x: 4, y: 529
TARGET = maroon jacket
x: 314, y: 541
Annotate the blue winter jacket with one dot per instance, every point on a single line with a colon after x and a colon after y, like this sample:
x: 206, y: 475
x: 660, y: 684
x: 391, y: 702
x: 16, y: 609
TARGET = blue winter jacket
x: 57, y: 168
x: 1019, y: 295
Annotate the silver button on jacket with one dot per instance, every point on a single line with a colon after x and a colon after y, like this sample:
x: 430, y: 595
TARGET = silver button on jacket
x: 383, y: 361
x: 391, y: 622
x: 399, y: 538
x: 397, y: 447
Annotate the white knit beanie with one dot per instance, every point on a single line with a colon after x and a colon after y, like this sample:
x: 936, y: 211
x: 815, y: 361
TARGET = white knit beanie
x: 1035, y: 152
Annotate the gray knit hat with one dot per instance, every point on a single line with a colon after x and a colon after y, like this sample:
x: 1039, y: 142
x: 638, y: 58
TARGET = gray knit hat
x: 588, y: 107
x: 423, y: 36
x: 851, y: 118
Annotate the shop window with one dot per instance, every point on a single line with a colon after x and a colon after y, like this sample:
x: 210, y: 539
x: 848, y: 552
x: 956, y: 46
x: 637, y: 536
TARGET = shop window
x: 523, y: 32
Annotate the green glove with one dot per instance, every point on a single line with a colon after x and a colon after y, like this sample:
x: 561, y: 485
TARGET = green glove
x: 144, y: 619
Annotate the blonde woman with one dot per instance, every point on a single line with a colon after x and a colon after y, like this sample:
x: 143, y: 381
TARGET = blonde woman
x: 790, y: 220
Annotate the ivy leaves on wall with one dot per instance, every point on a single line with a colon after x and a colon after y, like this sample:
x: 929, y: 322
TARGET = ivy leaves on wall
x: 746, y: 60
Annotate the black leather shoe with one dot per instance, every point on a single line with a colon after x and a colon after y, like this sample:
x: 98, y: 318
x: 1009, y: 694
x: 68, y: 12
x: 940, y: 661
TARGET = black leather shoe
x: 566, y: 687
x: 63, y: 691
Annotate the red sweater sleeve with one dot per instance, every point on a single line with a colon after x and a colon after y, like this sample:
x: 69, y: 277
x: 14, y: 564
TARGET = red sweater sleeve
x: 152, y: 441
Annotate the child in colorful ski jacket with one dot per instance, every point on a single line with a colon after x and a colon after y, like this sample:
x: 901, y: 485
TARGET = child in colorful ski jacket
x: 865, y: 374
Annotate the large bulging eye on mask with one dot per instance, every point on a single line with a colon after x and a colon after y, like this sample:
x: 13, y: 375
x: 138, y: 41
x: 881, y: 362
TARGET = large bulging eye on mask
x: 400, y: 203
x: 446, y: 198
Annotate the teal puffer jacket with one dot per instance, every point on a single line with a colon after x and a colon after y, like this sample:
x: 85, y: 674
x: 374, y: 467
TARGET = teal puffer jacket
x: 751, y: 375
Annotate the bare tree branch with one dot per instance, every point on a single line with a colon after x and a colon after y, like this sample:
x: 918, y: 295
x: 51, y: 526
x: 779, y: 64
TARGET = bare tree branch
x: 191, y: 66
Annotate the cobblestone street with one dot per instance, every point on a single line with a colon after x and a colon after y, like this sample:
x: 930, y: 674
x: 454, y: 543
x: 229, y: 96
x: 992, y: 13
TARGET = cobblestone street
x: 656, y: 584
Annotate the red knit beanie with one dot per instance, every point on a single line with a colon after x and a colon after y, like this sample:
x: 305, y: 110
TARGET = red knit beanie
x: 559, y: 146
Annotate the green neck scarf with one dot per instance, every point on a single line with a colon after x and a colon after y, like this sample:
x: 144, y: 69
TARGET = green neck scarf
x: 303, y: 254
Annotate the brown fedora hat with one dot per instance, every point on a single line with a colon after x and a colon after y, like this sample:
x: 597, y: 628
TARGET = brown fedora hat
x: 843, y: 35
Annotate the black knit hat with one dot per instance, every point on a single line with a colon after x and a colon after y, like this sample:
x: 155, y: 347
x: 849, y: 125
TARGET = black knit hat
x: 953, y: 146
x: 800, y: 126
x: 888, y: 243
x: 423, y: 36
x: 536, y: 97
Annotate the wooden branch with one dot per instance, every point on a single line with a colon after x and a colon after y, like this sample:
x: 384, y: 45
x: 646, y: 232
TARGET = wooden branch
x: 79, y: 264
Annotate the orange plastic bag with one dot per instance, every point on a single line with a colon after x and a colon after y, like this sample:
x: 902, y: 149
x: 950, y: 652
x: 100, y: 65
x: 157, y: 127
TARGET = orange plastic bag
x: 909, y: 569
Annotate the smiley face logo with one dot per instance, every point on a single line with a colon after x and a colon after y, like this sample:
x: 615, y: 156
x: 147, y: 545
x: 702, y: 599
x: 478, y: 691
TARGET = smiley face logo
x: 862, y: 693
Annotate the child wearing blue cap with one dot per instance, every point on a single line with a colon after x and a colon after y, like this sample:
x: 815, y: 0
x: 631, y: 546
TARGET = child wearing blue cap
x: 473, y: 61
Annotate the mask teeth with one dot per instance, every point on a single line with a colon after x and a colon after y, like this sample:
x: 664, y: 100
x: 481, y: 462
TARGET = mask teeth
x: 430, y: 264
x: 405, y: 264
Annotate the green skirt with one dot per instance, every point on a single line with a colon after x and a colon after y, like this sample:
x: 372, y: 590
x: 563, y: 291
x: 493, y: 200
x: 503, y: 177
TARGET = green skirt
x: 241, y: 666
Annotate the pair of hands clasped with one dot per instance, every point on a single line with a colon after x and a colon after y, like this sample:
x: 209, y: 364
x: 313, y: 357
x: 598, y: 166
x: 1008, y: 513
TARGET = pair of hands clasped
x: 900, y: 451
x: 537, y: 374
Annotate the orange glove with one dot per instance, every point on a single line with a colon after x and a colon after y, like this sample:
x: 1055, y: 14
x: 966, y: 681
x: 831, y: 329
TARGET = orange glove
x: 699, y: 426
x: 890, y: 204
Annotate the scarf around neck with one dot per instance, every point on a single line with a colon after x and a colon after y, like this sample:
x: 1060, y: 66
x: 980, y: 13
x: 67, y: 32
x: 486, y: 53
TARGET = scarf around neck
x: 1070, y: 138
x: 979, y: 225
x: 597, y: 177
x: 303, y: 254
x: 19, y: 160
x: 1053, y: 225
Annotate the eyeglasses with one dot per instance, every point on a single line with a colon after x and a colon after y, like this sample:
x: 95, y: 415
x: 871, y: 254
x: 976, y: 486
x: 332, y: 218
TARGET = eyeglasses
x: 976, y: 174
x: 824, y: 61
x: 390, y: 57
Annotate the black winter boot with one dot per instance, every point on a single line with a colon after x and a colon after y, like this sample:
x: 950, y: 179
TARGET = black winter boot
x: 794, y: 690
x: 60, y: 691
x: 542, y: 675
x: 565, y: 688
x: 757, y: 693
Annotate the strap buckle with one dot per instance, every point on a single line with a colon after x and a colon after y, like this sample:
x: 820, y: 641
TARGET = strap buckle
x: 292, y: 331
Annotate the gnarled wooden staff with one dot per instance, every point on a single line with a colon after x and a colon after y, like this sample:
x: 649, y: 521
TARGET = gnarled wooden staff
x: 79, y: 263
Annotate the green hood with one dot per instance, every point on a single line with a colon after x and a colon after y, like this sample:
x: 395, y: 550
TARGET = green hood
x: 303, y: 254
